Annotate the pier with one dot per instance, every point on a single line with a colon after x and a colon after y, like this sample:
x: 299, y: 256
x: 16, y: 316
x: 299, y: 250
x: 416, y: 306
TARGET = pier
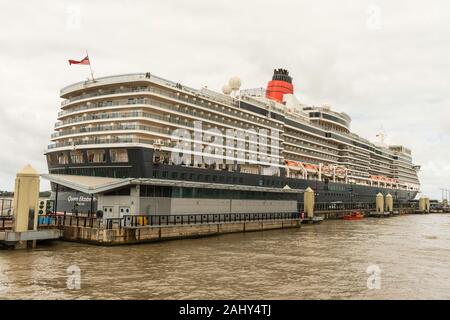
x: 146, y: 228
x: 133, y: 229
x: 21, y: 226
x: 19, y: 217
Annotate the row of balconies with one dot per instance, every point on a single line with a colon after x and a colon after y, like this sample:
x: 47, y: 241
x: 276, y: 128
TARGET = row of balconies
x: 176, y: 108
x: 165, y: 131
x: 134, y: 114
x: 98, y: 140
x: 184, y: 98
x: 310, y: 138
x: 310, y: 153
x: 311, y: 146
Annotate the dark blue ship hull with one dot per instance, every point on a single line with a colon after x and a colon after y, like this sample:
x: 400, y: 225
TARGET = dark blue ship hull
x: 141, y: 165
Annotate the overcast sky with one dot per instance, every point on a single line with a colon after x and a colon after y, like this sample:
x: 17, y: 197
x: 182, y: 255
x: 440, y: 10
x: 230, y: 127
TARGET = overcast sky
x: 385, y: 63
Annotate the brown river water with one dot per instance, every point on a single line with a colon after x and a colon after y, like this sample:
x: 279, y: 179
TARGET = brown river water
x: 326, y: 261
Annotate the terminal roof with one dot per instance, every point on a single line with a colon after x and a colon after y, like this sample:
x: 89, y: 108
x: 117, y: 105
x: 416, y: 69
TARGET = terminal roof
x: 95, y: 185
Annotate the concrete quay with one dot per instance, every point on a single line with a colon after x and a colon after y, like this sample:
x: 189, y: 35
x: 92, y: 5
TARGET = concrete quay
x: 145, y: 234
x: 27, y: 239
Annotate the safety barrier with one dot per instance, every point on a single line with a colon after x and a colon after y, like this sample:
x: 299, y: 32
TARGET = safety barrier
x: 181, y: 219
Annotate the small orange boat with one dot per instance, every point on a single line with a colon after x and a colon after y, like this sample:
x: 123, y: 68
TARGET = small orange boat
x: 354, y: 216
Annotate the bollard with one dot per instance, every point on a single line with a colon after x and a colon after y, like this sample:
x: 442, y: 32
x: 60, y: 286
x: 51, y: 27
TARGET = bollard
x: 25, y: 204
x: 427, y: 204
x: 389, y: 203
x: 26, y: 198
x: 308, y: 198
x: 379, y: 203
x: 422, y: 204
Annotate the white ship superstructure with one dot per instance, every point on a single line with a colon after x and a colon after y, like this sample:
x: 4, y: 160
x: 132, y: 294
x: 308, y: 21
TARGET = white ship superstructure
x: 122, y: 126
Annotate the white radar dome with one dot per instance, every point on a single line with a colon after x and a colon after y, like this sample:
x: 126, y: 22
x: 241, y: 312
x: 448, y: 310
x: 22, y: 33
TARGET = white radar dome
x: 226, y: 89
x: 234, y: 83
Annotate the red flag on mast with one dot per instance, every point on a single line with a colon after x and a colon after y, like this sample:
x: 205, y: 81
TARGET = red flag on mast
x: 83, y: 61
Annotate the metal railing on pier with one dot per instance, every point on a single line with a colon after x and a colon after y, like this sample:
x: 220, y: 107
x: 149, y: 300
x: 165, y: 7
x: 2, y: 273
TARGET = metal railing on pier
x: 6, y: 223
x: 133, y: 221
x: 6, y: 218
x: 330, y: 206
x: 341, y: 206
x: 70, y: 220
x: 180, y: 219
x: 6, y: 207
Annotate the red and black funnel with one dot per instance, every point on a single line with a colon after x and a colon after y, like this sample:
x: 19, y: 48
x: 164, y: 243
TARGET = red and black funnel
x: 280, y: 85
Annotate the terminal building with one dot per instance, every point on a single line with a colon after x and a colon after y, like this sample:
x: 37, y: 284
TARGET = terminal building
x: 116, y: 197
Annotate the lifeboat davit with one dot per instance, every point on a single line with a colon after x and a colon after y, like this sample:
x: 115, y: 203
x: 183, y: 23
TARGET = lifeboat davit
x: 354, y: 216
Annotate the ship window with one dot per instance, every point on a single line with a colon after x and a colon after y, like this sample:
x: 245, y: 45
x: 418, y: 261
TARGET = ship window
x: 63, y: 158
x: 118, y: 155
x: 187, y: 192
x: 96, y: 156
x: 52, y: 159
x: 76, y: 157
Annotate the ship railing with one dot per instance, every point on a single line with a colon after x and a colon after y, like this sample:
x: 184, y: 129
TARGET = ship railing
x: 98, y: 94
x: 99, y: 141
x: 104, y: 80
x: 166, y: 131
x: 197, y: 100
x: 153, y: 102
x: 132, y: 77
x: 119, y: 127
x: 136, y: 103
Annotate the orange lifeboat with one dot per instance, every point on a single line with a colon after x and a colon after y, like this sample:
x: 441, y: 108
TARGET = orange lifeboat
x: 310, y: 167
x: 326, y: 170
x: 354, y: 216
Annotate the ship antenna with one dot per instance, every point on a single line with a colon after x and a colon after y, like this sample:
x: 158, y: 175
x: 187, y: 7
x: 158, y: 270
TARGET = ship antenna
x: 382, y: 136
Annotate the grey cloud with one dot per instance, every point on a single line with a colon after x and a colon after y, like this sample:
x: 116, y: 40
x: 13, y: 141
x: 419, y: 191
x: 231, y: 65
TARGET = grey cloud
x: 395, y: 76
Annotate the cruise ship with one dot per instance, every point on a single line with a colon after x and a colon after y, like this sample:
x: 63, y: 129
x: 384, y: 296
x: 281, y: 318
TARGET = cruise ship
x: 142, y: 126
